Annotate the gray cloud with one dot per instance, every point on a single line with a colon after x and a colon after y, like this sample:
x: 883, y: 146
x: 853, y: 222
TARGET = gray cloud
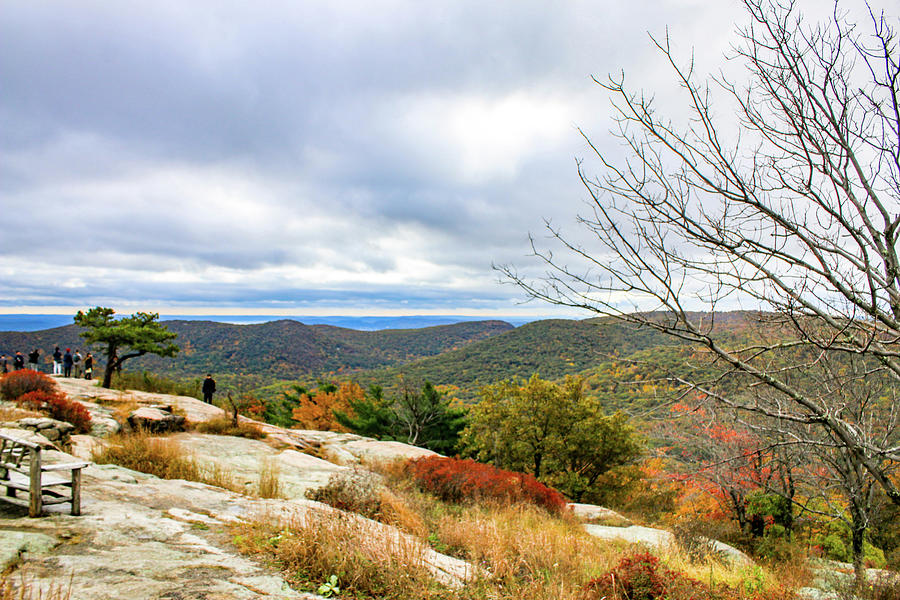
x: 301, y: 153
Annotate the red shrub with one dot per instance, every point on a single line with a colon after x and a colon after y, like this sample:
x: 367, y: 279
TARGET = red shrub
x: 456, y: 480
x: 59, y: 407
x: 641, y: 577
x: 63, y: 409
x: 36, y: 400
x: 17, y: 383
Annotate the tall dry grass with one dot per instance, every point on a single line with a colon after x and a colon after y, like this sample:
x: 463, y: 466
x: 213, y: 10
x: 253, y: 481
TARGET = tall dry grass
x: 369, y: 564
x: 19, y: 586
x: 162, y: 457
x: 269, y: 485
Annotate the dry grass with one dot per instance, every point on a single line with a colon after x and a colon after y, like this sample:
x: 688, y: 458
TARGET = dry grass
x: 14, y: 413
x: 310, y: 549
x: 162, y: 457
x: 269, y: 480
x: 528, y: 553
x: 124, y: 407
x: 225, y: 426
x: 21, y: 587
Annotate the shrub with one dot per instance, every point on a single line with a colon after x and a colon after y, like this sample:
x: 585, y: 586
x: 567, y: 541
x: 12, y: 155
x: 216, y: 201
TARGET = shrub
x: 641, y: 577
x: 59, y: 407
x: 63, y: 409
x: 15, y: 384
x: 356, y: 491
x: 460, y: 481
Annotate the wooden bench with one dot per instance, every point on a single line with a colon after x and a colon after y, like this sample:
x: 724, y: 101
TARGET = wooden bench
x: 21, y: 470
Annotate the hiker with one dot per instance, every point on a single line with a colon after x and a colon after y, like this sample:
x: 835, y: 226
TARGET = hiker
x: 57, y: 361
x: 33, y: 357
x: 67, y: 363
x: 78, y: 363
x: 209, y: 386
x: 4, y: 364
x: 18, y: 361
x: 88, y: 366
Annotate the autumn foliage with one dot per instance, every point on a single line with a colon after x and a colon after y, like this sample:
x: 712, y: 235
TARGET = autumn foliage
x: 15, y: 384
x: 460, y: 481
x: 640, y: 576
x: 59, y: 407
x: 316, y: 410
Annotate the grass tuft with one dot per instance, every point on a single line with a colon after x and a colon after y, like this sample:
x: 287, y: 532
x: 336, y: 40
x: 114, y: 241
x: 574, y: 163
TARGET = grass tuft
x: 269, y: 480
x: 225, y: 426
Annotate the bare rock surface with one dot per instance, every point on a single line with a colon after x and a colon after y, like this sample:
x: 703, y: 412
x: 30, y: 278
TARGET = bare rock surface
x: 592, y: 512
x: 660, y: 538
x: 143, y: 538
x: 244, y: 459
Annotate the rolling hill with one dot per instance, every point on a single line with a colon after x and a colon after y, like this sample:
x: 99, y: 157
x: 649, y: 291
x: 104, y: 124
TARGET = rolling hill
x: 283, y: 349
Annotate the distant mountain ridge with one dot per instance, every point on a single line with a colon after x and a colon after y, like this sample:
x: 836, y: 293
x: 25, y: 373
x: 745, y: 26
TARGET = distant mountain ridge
x: 284, y: 349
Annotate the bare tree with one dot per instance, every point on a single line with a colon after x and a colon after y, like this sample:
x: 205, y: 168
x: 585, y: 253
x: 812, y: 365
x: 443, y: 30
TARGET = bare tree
x: 794, y: 214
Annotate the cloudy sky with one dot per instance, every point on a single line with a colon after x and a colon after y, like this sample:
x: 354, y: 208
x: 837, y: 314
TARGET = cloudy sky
x: 306, y: 157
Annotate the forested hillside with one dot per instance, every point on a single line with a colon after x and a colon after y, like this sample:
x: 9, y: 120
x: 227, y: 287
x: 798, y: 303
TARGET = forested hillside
x: 553, y: 348
x: 283, y: 349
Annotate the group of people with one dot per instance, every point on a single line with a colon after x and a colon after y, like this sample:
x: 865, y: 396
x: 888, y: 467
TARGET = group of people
x: 64, y: 364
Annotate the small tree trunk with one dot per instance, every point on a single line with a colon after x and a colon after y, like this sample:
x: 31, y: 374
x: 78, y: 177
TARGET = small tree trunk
x: 857, y: 538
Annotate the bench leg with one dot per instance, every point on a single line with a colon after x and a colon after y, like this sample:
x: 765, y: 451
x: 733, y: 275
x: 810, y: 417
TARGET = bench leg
x: 36, y: 500
x: 76, y: 492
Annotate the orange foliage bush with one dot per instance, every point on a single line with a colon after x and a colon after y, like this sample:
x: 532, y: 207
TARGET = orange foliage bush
x: 17, y: 383
x: 316, y: 411
x: 59, y: 407
x: 457, y: 480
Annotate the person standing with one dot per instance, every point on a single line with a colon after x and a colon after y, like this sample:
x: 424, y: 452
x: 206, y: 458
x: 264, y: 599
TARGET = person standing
x: 209, y: 387
x: 57, y: 361
x: 78, y: 363
x: 67, y: 363
x: 4, y: 364
x: 18, y: 361
x: 88, y: 366
x: 34, y: 358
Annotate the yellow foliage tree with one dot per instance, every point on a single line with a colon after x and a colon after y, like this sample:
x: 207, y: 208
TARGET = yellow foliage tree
x: 316, y: 410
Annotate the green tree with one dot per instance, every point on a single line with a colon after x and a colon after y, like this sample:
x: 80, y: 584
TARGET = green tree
x: 549, y: 430
x: 125, y: 337
x: 420, y: 418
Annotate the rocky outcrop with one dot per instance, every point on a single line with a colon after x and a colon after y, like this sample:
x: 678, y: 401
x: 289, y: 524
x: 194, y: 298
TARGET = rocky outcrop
x: 51, y: 429
x: 659, y: 538
x: 156, y: 419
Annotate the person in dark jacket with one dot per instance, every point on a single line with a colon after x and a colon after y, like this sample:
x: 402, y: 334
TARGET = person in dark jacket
x: 209, y: 386
x: 33, y: 358
x: 57, y: 361
x: 18, y: 361
x: 88, y: 366
x: 68, y: 361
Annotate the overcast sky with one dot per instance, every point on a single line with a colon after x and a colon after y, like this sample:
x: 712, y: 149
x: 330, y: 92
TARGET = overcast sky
x: 306, y: 157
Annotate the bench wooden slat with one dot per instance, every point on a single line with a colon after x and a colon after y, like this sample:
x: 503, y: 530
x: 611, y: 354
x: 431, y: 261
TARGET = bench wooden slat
x: 65, y: 466
x: 34, y: 478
